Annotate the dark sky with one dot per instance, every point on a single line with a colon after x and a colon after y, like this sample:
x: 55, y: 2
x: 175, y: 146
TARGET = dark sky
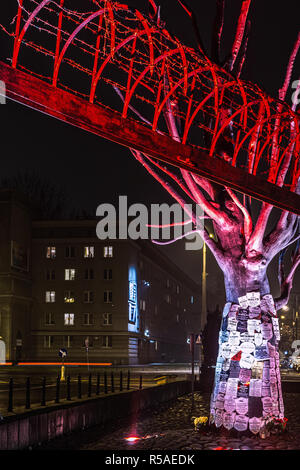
x: 93, y: 170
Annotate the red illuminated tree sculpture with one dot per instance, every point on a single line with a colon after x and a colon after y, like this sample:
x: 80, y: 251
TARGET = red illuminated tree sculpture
x: 129, y: 62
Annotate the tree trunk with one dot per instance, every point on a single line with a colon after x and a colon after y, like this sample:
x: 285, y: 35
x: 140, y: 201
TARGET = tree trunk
x: 247, y: 387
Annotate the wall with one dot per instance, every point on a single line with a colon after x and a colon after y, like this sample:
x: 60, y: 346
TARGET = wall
x: 33, y: 427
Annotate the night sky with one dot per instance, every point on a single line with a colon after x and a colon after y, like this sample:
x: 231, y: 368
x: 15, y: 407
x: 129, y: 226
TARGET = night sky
x: 92, y: 170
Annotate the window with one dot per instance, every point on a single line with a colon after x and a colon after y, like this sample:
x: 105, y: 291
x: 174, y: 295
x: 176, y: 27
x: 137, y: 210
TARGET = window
x: 108, y: 252
x: 168, y: 298
x: 168, y: 283
x: 106, y: 341
x: 177, y: 318
x: 88, y: 318
x: 51, y: 252
x: 69, y: 319
x: 108, y: 296
x: 50, y: 275
x: 88, y: 252
x: 88, y: 296
x: 132, y: 301
x: 69, y: 274
x: 49, y: 319
x: 192, y: 299
x: 48, y: 341
x: 69, y: 297
x: 155, y: 310
x: 107, y: 274
x: 88, y: 341
x: 107, y: 319
x: 70, y: 252
x: 142, y: 304
x: 50, y: 296
x: 88, y: 273
x: 177, y: 289
x: 67, y: 341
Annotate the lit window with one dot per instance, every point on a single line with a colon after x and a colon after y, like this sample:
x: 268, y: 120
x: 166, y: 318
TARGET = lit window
x: 88, y: 318
x: 68, y: 341
x: 88, y: 252
x: 108, y: 296
x: 168, y: 298
x: 168, y: 283
x: 192, y: 299
x: 106, y: 341
x: 69, y: 297
x: 177, y: 318
x: 69, y: 318
x: 51, y: 252
x: 107, y: 274
x: 177, y: 289
x: 142, y: 304
x: 69, y: 274
x: 88, y: 296
x: 108, y: 252
x: 50, y: 296
x: 107, y: 319
x: 48, y: 341
x: 70, y: 252
x: 49, y: 319
x: 50, y: 275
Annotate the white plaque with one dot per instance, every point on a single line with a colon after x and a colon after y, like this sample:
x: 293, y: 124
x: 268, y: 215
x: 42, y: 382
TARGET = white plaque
x: 241, y: 406
x: 246, y: 361
x: 267, y: 330
x: 253, y: 299
x: 253, y: 326
x: 234, y: 338
x: 229, y: 404
x: 243, y: 301
x: 255, y: 424
x: 228, y: 420
x: 255, y: 387
x: 231, y: 389
x: 241, y: 423
x: 247, y: 347
x: 258, y: 339
x: 276, y: 328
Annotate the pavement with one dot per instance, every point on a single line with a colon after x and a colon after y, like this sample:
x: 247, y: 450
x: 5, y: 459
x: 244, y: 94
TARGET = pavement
x: 170, y: 427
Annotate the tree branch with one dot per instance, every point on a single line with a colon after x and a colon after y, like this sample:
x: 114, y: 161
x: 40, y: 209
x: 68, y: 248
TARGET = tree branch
x: 217, y: 31
x: 239, y: 33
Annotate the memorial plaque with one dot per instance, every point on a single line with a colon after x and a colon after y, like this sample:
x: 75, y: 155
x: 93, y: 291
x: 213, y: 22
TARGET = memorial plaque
x: 220, y: 401
x: 234, y: 370
x: 229, y: 404
x: 265, y: 389
x: 224, y: 375
x: 258, y: 339
x: 228, y: 420
x: 254, y: 326
x: 245, y: 337
x: 255, y: 388
x: 254, y: 312
x: 274, y: 391
x: 245, y: 375
x: 247, y: 347
x: 232, y: 324
x: 262, y: 353
x: 241, y: 406
x: 243, y: 391
x: 243, y: 301
x: 242, y: 326
x: 276, y: 329
x: 222, y: 387
x: 241, y: 423
x: 253, y: 299
x: 231, y: 389
x: 234, y: 338
x: 255, y: 425
x: 226, y: 350
x: 226, y: 365
x: 242, y: 315
x: 246, y: 361
x: 218, y: 418
x: 234, y: 308
x: 267, y: 330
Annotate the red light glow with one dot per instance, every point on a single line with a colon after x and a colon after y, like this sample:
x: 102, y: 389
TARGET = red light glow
x: 132, y: 439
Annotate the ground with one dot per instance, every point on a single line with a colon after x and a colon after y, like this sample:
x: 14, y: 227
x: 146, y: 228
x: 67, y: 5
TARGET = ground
x: 170, y: 428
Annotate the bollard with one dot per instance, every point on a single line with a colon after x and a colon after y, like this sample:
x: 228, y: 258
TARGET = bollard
x: 10, y: 395
x: 112, y: 383
x: 27, y: 404
x: 141, y: 382
x: 57, y: 390
x: 105, y: 382
x: 43, y: 400
x: 121, y: 381
x: 90, y: 386
x: 128, y: 379
x: 98, y: 384
x: 68, y: 388
x: 79, y: 387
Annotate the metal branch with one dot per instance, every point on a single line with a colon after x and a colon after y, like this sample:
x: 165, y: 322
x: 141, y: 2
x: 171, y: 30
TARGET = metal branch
x: 239, y: 33
x: 217, y: 31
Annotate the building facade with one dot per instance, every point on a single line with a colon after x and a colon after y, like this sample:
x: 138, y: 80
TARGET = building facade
x: 118, y: 301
